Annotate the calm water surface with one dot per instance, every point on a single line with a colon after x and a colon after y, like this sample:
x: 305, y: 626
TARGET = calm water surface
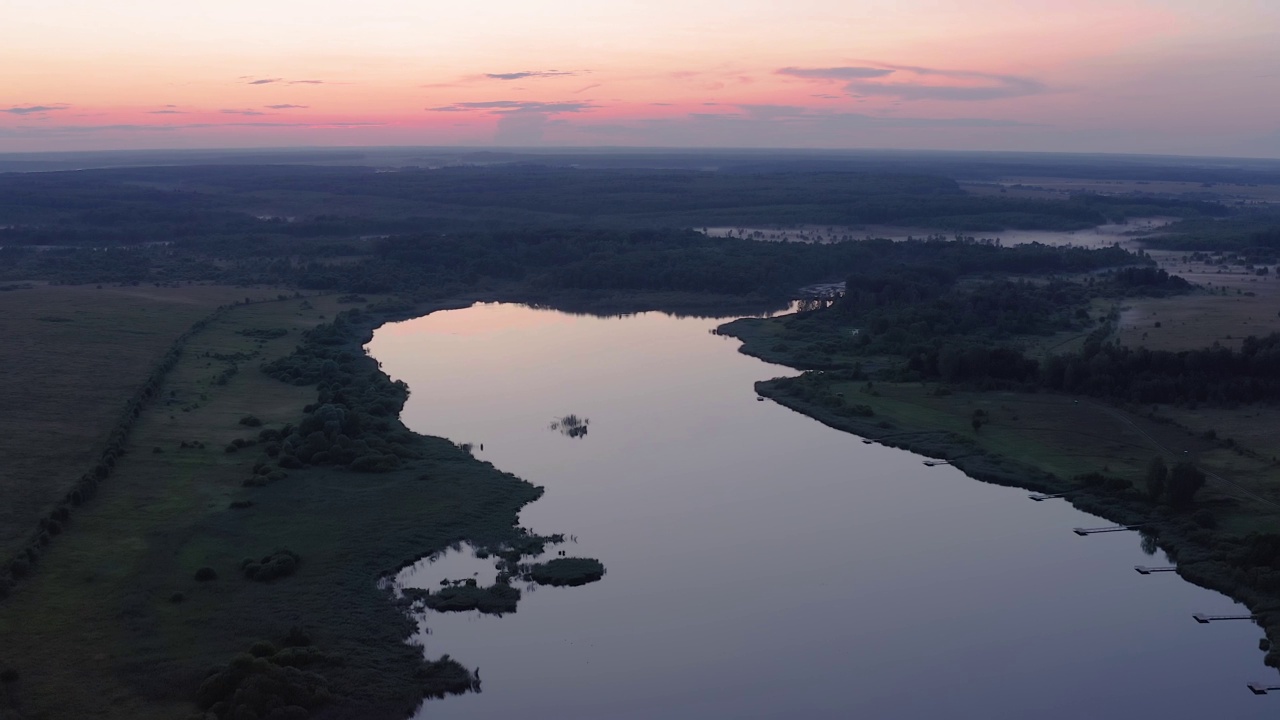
x: 762, y: 565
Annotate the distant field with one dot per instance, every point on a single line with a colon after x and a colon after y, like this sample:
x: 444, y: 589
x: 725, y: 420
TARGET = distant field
x: 1201, y: 319
x: 70, y: 359
x: 1047, y: 188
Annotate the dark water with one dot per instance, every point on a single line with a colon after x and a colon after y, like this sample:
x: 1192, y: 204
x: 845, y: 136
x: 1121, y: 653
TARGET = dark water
x: 761, y: 565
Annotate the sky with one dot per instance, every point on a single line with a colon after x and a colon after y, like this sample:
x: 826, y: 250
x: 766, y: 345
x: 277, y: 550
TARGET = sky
x: 1183, y: 77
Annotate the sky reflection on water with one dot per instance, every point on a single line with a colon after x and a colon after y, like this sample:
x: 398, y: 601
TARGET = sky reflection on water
x: 762, y: 565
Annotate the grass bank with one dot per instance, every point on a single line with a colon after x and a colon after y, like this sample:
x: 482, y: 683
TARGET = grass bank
x: 1095, y: 453
x: 145, y: 603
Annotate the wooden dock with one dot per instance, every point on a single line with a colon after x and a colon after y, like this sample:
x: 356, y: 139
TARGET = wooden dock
x: 1144, y: 570
x: 1040, y: 497
x: 1114, y: 528
x: 1205, y: 619
x: 935, y: 463
x: 1262, y: 688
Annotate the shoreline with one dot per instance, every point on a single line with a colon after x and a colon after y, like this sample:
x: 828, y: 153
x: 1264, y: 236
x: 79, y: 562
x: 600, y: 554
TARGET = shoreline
x: 1196, y: 551
x: 348, y: 539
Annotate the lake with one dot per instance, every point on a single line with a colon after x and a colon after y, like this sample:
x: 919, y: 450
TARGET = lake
x: 762, y: 565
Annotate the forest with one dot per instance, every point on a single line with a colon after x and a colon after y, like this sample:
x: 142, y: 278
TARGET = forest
x: 972, y: 332
x: 113, y: 207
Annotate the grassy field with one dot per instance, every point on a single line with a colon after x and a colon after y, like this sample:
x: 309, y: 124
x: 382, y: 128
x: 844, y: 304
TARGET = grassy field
x: 113, y: 624
x: 1070, y: 437
x: 1250, y: 306
x: 71, y: 357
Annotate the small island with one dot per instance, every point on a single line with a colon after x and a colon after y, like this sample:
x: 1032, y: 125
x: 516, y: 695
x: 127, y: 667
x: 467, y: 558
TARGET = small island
x: 567, y: 571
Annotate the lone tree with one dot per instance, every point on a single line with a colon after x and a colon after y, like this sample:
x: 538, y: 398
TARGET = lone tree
x: 1184, y: 481
x: 1157, y: 477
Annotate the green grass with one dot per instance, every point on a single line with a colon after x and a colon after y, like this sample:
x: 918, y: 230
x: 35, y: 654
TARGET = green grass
x: 66, y: 381
x: 95, y: 633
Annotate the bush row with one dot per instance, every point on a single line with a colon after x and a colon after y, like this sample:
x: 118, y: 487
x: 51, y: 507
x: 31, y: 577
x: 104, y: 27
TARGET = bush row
x: 24, y: 562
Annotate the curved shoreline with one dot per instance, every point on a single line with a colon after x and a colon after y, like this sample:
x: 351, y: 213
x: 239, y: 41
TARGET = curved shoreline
x: 1196, y: 551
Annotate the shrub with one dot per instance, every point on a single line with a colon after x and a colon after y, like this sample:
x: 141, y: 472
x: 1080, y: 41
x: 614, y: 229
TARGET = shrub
x: 262, y: 648
x: 374, y: 463
x: 1185, y: 480
x: 446, y: 676
x: 205, y: 574
x: 1157, y: 477
x: 250, y: 421
x: 253, y: 687
x: 240, y: 504
x: 290, y: 462
x: 264, y: 333
x: 296, y: 637
x: 303, y: 657
x: 278, y: 564
x: 177, y: 598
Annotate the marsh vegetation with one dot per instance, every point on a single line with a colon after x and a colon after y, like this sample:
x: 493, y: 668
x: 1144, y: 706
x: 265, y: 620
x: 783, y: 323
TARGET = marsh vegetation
x: 571, y: 426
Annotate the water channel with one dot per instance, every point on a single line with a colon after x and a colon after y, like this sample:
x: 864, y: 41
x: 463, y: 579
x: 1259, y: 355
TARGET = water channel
x: 762, y: 565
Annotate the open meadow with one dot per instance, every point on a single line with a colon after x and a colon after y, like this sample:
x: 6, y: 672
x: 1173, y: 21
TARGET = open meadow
x: 71, y: 357
x: 146, y: 590
x: 1235, y: 304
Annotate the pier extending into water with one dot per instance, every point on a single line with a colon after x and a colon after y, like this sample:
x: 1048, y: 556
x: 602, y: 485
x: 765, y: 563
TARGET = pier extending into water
x: 1113, y: 528
x: 1144, y: 570
x: 1204, y: 618
x: 1040, y: 497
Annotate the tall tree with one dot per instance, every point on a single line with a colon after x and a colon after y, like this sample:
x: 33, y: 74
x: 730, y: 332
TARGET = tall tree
x: 1184, y: 481
x: 1157, y: 476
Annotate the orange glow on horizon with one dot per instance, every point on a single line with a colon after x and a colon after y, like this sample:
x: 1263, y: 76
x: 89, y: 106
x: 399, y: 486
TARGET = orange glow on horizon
x: 982, y: 74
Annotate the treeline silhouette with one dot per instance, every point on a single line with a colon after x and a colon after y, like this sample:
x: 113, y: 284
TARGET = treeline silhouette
x: 1253, y: 233
x: 544, y: 260
x: 933, y: 304
x: 1214, y: 375
x: 129, y: 206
